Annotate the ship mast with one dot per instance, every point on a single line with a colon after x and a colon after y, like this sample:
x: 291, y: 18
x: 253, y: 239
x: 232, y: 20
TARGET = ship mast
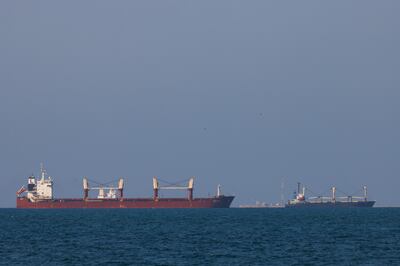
x: 219, y: 191
x: 333, y: 194
x: 42, y: 171
x: 365, y: 193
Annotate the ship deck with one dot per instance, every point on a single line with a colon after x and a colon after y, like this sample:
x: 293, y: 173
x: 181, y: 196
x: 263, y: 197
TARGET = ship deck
x: 60, y: 203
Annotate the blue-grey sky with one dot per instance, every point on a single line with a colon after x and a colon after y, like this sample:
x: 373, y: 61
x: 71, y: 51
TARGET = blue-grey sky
x: 238, y: 93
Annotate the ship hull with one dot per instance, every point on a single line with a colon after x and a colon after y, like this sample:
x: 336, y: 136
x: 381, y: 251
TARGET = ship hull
x: 356, y: 204
x: 216, y: 202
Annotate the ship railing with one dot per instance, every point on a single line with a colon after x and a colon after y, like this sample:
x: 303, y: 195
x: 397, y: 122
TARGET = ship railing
x: 324, y: 199
x: 320, y: 199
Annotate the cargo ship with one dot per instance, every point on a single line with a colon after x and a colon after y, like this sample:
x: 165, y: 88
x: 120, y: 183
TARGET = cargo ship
x: 38, y: 194
x: 333, y: 201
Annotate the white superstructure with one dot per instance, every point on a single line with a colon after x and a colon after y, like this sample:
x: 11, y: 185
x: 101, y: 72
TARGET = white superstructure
x: 40, y: 189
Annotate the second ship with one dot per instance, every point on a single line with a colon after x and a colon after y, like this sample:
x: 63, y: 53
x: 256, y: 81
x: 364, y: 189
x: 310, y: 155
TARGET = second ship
x: 300, y: 200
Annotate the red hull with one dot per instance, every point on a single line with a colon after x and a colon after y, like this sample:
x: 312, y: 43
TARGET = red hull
x: 216, y: 202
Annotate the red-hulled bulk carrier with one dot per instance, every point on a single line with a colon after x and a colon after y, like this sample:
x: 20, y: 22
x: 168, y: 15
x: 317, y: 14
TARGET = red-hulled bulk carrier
x: 39, y: 194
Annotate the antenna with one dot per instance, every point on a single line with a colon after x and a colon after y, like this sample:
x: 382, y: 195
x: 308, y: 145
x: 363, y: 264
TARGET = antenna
x: 42, y: 170
x: 282, y: 190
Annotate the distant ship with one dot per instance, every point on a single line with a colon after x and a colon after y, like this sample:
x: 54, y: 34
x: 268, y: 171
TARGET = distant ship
x: 300, y: 201
x: 259, y: 204
x: 39, y: 194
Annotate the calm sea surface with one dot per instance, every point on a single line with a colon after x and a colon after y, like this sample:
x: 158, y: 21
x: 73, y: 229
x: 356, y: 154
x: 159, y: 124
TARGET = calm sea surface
x: 200, y: 237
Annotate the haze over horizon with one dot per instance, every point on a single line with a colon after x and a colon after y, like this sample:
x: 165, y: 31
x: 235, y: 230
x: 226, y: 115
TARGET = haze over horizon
x: 235, y: 93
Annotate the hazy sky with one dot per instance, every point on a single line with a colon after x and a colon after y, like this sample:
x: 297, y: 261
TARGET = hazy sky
x: 238, y: 93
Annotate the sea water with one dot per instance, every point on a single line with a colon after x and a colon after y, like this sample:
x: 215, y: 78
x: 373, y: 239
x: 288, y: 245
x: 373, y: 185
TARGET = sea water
x: 358, y: 236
